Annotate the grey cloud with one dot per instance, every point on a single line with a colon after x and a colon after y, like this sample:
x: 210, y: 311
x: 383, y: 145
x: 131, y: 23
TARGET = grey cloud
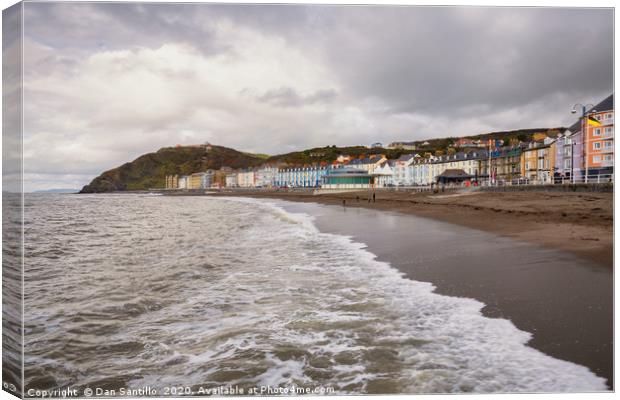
x: 289, y: 97
x: 396, y: 72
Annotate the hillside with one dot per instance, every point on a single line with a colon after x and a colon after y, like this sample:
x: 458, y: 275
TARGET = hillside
x: 149, y: 170
x: 329, y: 154
x: 522, y: 135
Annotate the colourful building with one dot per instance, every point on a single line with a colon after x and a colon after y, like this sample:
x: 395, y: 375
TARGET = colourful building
x: 599, y: 139
x: 538, y: 161
x: 301, y: 176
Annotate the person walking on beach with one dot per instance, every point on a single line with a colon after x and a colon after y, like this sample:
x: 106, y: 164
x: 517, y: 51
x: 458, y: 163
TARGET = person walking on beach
x: 373, y: 197
x: 357, y: 198
x: 344, y: 203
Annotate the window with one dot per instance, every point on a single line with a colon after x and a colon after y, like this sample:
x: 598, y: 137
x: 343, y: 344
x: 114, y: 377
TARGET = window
x: 608, y: 157
x: 567, y: 151
x: 597, y: 132
x: 596, y: 159
x: 567, y: 163
x: 609, y: 131
x: 609, y: 144
x: 609, y: 116
x: 596, y: 145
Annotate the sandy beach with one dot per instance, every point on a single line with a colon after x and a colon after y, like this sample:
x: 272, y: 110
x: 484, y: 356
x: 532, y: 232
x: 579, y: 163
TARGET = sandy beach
x: 577, y: 222
x: 565, y: 302
x: 543, y: 260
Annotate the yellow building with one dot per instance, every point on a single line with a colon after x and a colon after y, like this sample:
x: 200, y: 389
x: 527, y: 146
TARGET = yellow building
x: 194, y: 181
x: 172, y: 181
x: 538, y: 161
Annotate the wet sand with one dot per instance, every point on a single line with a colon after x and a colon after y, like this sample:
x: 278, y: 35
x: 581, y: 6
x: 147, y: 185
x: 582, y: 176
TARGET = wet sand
x: 577, y: 222
x: 566, y: 302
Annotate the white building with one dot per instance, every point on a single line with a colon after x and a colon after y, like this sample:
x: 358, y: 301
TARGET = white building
x: 183, y: 181
x: 383, y: 174
x: 403, y: 172
x: 231, y: 179
x: 266, y: 176
x: 245, y: 179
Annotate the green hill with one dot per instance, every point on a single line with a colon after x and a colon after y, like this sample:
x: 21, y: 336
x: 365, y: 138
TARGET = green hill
x: 149, y: 170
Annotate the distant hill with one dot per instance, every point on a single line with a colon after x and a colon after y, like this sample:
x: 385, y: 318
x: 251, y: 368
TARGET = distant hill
x: 149, y: 170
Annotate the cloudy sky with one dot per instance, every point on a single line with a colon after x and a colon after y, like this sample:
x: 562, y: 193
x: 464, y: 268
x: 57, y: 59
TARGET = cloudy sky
x: 105, y: 83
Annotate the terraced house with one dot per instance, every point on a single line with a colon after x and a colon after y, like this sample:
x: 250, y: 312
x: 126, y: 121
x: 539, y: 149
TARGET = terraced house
x: 599, y: 149
x: 301, y: 176
x: 538, y: 161
x: 506, y: 163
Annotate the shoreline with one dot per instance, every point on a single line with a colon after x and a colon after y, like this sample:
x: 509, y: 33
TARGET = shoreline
x: 565, y: 303
x: 579, y: 223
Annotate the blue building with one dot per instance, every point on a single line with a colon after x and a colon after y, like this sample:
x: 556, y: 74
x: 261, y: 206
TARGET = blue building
x: 301, y: 176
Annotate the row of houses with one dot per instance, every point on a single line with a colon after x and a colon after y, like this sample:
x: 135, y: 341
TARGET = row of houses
x: 582, y: 152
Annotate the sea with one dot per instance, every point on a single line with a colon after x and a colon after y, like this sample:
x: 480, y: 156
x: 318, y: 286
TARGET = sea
x: 130, y: 291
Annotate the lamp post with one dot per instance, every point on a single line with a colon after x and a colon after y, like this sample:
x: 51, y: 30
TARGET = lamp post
x: 584, y: 133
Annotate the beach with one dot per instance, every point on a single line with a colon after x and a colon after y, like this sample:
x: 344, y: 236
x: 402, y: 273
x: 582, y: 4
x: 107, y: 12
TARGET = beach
x: 565, y: 302
x: 542, y: 260
x: 577, y: 222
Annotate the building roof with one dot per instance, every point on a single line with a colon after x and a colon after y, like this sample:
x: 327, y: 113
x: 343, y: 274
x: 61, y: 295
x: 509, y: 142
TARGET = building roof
x: 605, y: 105
x: 367, y: 160
x: 406, y: 157
x: 454, y: 173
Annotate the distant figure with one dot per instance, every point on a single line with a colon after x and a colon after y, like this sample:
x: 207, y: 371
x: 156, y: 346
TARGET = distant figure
x: 344, y: 203
x: 373, y: 198
x: 357, y: 198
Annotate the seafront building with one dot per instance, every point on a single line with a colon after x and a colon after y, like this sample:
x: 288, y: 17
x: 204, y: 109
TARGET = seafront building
x: 266, y: 176
x: 246, y: 178
x: 172, y: 181
x: 599, y: 149
x: 231, y: 180
x: 403, y: 171
x: 563, y: 168
x: 538, y: 162
x: 383, y: 174
x: 347, y: 178
x: 506, y: 164
x: 301, y: 176
x: 200, y: 180
x: 182, y: 182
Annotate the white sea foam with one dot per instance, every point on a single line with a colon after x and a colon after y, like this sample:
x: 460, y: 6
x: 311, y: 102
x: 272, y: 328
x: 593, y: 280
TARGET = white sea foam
x: 442, y: 343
